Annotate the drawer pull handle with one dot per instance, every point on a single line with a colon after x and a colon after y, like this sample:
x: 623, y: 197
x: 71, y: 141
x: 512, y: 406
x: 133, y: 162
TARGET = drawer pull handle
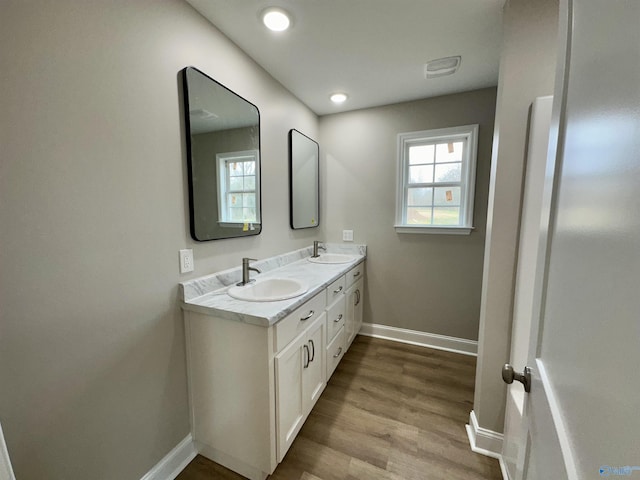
x: 306, y: 356
x: 357, y: 297
x: 304, y: 319
x: 356, y: 274
x: 338, y: 290
x: 338, y: 354
x: 313, y: 351
x: 338, y: 319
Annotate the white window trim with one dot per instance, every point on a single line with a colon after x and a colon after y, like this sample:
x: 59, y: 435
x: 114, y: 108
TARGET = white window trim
x: 468, y: 177
x: 221, y: 159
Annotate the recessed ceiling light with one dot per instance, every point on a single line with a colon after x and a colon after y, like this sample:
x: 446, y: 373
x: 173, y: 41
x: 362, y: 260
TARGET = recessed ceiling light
x: 338, y: 97
x: 276, y: 19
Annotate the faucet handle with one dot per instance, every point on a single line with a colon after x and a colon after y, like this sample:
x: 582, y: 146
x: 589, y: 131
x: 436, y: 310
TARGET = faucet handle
x: 247, y: 260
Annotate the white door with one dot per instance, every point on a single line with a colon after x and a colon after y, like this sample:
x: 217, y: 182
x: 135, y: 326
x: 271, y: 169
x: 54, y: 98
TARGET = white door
x: 6, y: 472
x: 515, y: 423
x: 585, y: 350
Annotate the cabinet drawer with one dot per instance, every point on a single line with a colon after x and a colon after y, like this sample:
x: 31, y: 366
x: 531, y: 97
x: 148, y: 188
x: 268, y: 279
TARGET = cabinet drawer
x: 336, y: 290
x: 335, y: 318
x: 294, y: 324
x: 335, y: 351
x: 355, y: 274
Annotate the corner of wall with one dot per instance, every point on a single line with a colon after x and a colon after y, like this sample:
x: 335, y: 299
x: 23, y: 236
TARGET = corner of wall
x: 173, y: 462
x: 527, y: 70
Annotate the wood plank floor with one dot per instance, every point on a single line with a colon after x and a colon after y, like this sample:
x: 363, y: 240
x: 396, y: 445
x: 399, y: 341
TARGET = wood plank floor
x: 390, y: 411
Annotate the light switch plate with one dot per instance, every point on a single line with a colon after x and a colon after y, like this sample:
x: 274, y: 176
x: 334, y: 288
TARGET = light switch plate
x: 186, y: 260
x: 347, y: 235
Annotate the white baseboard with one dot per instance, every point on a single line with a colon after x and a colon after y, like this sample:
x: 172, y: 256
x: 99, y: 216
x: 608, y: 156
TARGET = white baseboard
x: 503, y: 469
x: 174, y: 462
x: 484, y: 441
x: 423, y: 339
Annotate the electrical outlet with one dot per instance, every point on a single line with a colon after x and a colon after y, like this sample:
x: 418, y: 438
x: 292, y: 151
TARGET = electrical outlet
x: 347, y: 235
x: 186, y: 260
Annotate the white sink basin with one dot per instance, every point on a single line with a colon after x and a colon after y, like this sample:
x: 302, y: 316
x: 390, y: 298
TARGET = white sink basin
x: 269, y: 290
x: 333, y: 258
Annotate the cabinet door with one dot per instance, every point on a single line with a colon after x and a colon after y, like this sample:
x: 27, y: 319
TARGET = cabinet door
x: 350, y: 316
x: 300, y: 379
x: 290, y: 404
x: 314, y: 375
x: 354, y: 311
x: 357, y: 323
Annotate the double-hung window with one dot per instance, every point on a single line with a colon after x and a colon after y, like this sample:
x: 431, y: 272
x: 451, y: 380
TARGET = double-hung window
x: 436, y: 180
x: 238, y: 187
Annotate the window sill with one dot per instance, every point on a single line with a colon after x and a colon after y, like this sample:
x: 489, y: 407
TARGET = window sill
x: 433, y: 230
x: 237, y: 224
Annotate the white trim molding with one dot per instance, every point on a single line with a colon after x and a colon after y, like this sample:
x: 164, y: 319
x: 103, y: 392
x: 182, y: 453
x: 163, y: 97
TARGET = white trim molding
x: 465, y: 134
x: 434, y: 229
x: 484, y: 441
x: 174, y: 462
x: 6, y: 472
x: 422, y: 339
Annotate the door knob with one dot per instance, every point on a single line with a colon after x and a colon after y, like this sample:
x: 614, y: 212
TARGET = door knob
x: 508, y: 375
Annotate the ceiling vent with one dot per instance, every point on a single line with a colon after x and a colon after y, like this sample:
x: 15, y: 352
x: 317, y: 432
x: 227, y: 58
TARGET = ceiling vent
x: 441, y: 67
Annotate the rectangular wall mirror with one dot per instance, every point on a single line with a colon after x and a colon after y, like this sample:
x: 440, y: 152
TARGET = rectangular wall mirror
x: 223, y: 158
x: 304, y: 180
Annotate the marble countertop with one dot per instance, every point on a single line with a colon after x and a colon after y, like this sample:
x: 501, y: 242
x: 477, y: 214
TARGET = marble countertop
x: 208, y: 295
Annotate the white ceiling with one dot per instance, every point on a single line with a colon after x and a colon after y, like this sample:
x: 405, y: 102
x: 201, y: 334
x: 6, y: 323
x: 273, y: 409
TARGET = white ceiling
x: 374, y: 50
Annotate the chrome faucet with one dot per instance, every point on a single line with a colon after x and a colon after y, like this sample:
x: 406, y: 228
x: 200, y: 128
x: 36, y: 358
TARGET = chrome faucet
x: 316, y: 247
x: 245, y: 271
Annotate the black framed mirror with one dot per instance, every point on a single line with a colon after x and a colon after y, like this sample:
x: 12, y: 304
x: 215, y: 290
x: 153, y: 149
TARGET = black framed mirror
x: 223, y: 158
x: 304, y: 181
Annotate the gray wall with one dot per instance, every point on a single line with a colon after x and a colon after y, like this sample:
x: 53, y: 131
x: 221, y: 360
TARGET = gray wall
x: 93, y: 210
x: 430, y: 283
x: 527, y: 71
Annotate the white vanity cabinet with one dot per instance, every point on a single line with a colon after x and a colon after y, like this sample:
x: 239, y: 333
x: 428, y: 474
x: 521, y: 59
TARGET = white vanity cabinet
x: 300, y: 379
x: 252, y: 385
